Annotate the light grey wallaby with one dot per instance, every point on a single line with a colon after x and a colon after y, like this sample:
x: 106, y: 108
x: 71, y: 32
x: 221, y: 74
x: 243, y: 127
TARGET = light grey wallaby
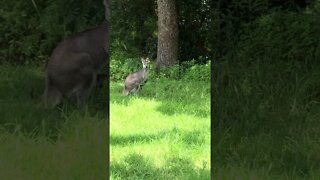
x: 134, y: 80
x: 74, y: 64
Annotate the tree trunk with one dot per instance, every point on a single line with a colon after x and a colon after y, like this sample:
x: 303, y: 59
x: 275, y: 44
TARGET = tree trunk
x: 107, y: 9
x: 168, y: 34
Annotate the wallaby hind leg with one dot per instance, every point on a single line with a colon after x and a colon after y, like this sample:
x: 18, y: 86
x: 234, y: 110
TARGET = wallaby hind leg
x: 136, y: 90
x: 84, y: 91
x: 51, y: 98
x: 125, y: 91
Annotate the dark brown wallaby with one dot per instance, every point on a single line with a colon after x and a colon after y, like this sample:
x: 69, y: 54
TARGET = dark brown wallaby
x: 74, y: 64
x: 135, y: 80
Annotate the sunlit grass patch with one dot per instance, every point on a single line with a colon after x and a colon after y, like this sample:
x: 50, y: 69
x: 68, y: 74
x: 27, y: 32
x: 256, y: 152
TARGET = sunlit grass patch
x: 160, y: 133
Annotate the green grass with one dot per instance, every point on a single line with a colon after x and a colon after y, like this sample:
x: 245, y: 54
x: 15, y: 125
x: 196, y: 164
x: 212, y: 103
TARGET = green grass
x: 163, y: 132
x: 266, y: 123
x: 63, y: 143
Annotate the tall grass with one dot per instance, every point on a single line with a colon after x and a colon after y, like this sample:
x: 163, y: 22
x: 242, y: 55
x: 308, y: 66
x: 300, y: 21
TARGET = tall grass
x: 266, y: 122
x: 63, y: 143
x: 266, y: 102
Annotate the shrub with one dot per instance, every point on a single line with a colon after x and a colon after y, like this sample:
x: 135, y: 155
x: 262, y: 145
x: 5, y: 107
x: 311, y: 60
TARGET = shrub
x: 121, y: 65
x: 199, y: 72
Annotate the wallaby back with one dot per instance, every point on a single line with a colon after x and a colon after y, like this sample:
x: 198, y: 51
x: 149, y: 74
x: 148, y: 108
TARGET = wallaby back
x: 133, y: 81
x: 74, y: 64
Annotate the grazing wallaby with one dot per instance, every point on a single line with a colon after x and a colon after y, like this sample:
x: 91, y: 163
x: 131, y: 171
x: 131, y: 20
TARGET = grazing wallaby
x: 74, y: 64
x: 134, y: 80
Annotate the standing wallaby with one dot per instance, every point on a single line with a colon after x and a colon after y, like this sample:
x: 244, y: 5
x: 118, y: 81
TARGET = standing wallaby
x: 134, y: 80
x: 74, y: 64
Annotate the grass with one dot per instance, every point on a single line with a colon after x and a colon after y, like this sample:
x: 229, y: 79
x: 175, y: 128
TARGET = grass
x: 265, y: 127
x: 63, y: 143
x: 163, y: 132
x: 266, y: 123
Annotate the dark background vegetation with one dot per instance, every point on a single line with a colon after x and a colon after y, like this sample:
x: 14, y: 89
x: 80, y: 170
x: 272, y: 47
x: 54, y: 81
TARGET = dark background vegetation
x: 265, y: 56
x: 207, y: 29
x: 266, y: 88
x: 30, y: 31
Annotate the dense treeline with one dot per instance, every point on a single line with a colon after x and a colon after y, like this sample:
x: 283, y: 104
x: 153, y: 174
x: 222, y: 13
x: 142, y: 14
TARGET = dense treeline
x: 207, y: 29
x: 31, y: 29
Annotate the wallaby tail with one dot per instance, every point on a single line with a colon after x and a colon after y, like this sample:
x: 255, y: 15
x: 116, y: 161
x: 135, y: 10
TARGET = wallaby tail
x: 51, y: 96
x: 125, y: 92
x: 44, y: 97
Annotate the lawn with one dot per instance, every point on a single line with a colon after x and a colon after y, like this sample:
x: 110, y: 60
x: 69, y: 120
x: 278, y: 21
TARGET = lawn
x: 163, y: 132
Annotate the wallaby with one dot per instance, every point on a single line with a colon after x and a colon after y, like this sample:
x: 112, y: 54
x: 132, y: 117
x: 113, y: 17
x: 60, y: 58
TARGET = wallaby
x: 74, y: 64
x: 135, y: 80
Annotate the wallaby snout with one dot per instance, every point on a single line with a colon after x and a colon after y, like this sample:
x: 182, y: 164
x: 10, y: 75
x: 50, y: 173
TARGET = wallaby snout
x: 133, y: 81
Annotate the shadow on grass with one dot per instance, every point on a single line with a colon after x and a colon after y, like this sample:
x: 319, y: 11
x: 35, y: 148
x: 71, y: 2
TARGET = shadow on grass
x: 188, y: 138
x: 176, y: 97
x: 135, y: 166
x: 20, y: 93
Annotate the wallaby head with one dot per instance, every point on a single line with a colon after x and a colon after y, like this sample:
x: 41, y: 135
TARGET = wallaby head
x: 145, y: 62
x: 133, y: 81
x: 74, y: 64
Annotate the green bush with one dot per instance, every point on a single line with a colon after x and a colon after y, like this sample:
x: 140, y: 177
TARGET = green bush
x: 30, y: 31
x: 199, y: 72
x: 173, y: 72
x: 286, y: 36
x: 121, y: 65
x: 188, y: 70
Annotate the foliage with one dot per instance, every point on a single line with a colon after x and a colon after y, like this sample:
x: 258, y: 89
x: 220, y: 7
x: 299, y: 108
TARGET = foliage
x: 198, y: 72
x: 121, y: 66
x: 233, y: 18
x: 134, y: 26
x: 266, y: 96
x: 283, y: 36
x: 210, y: 29
x: 30, y: 31
x: 188, y: 70
x: 195, y: 19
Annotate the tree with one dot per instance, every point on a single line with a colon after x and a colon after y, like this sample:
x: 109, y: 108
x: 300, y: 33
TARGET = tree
x: 168, y: 34
x: 107, y: 9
